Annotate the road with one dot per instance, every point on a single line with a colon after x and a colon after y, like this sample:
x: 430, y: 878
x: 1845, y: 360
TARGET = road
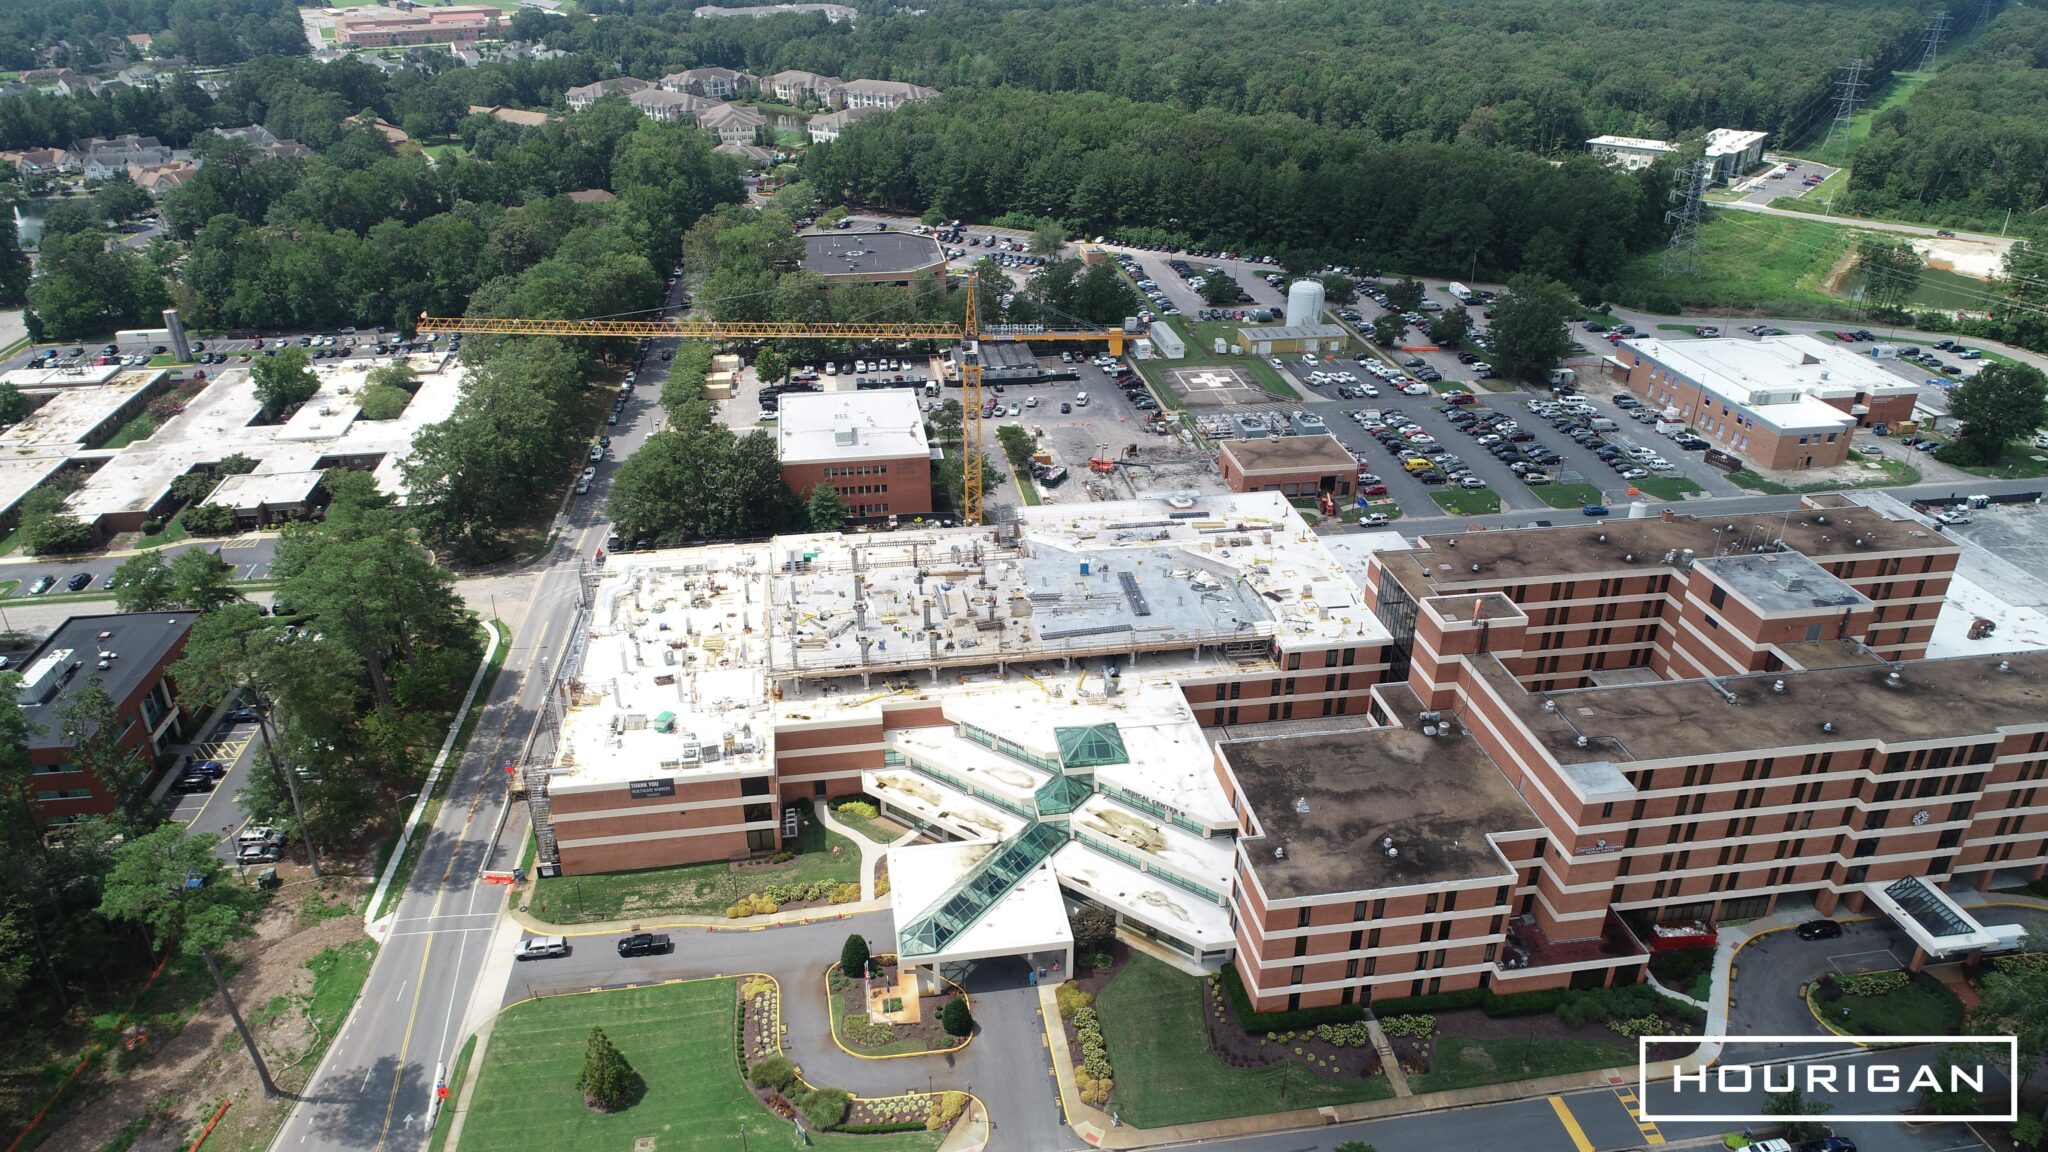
x: 374, y: 1087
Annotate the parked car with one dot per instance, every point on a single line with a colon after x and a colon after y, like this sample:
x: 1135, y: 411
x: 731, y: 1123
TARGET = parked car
x: 79, y: 581
x: 548, y: 947
x: 1820, y: 930
x: 644, y: 944
x: 41, y: 585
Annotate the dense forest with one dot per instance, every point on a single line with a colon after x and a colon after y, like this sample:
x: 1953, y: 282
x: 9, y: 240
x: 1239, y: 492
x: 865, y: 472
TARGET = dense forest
x: 1970, y: 145
x: 1530, y: 74
x: 1274, y: 183
x: 208, y: 32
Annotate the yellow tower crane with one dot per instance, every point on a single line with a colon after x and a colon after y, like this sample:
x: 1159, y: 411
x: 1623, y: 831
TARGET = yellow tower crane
x: 969, y: 333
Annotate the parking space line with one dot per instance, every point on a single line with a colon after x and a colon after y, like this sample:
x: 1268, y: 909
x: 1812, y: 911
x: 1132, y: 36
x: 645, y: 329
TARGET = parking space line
x: 1571, y: 1124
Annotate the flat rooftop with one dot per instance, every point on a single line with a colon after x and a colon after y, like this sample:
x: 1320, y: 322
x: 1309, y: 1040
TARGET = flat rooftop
x: 1622, y: 544
x: 1322, y: 453
x: 829, y: 427
x: 1722, y: 141
x: 868, y: 253
x: 1437, y: 797
x: 1690, y: 719
x: 327, y: 430
x: 136, y: 641
x: 1781, y: 582
x: 1639, y: 143
x: 1779, y: 378
x: 1298, y: 332
x: 255, y: 490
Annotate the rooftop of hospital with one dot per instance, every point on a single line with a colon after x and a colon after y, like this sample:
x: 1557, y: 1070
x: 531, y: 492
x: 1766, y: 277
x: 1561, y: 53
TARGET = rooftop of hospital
x: 1446, y: 561
x: 1134, y: 576
x: 1848, y: 703
x: 834, y: 427
x: 1371, y: 809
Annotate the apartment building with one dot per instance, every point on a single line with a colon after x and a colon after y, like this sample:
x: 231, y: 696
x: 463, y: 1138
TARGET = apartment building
x: 732, y: 124
x: 583, y: 96
x: 1630, y: 152
x: 828, y: 127
x: 662, y: 104
x: 794, y: 84
x: 884, y: 93
x: 1489, y: 760
x: 717, y: 83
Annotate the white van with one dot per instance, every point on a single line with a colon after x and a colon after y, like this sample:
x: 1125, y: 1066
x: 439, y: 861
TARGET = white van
x: 541, y: 948
x: 1080, y: 399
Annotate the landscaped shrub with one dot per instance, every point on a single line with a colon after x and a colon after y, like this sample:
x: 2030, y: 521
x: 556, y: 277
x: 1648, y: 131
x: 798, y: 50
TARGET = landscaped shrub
x: 1252, y: 1021
x: 1072, y: 997
x: 858, y: 809
x: 1412, y: 1027
x: 1681, y: 966
x: 1580, y: 1011
x: 1875, y: 983
x: 1354, y: 1035
x: 945, y: 1110
x: 956, y: 1018
x: 845, y: 893
x: 776, y: 1072
x: 754, y: 905
x: 854, y: 955
x: 1441, y: 1002
x: 858, y: 1029
x: 826, y: 1107
x: 891, y: 1126
x: 1640, y: 1026
x: 1093, y: 1077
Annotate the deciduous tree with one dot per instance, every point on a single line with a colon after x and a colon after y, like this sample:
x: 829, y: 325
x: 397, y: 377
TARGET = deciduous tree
x: 2000, y: 404
x: 1530, y: 333
x: 283, y: 382
x: 824, y: 511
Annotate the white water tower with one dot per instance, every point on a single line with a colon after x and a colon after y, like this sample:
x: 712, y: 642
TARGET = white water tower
x: 1304, y: 303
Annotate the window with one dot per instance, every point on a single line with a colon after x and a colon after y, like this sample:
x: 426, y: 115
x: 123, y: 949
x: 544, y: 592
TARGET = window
x: 65, y: 794
x: 1301, y: 918
x: 756, y: 813
x: 761, y: 840
x: 754, y: 786
x: 1294, y: 974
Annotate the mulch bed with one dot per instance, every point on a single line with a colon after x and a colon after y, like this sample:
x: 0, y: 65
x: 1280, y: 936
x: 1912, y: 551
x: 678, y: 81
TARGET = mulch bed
x: 1241, y: 1049
x: 1418, y: 1056
x: 927, y: 1029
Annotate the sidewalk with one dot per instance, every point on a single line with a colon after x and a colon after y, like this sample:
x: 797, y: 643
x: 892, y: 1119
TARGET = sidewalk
x: 540, y: 927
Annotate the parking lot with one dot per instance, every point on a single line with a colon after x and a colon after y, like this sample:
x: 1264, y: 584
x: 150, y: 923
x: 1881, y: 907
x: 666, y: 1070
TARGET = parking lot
x: 1785, y: 180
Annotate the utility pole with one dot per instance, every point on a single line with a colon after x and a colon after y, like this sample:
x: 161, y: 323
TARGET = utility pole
x: 1931, y: 46
x: 1848, y: 90
x: 1689, y: 193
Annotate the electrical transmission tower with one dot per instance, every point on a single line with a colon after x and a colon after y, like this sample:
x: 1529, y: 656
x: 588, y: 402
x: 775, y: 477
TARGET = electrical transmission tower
x: 1986, y: 9
x: 1848, y: 90
x: 1690, y: 194
x: 1931, y: 46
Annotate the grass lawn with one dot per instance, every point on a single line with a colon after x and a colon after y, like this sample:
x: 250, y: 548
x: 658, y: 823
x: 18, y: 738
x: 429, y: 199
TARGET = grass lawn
x: 1463, y: 1062
x: 1567, y: 495
x: 173, y: 532
x: 1748, y: 261
x: 2019, y: 461
x: 1665, y: 487
x: 1201, y: 336
x: 1842, y: 149
x: 1754, y: 481
x: 139, y: 427
x: 1921, y: 1008
x: 1460, y: 502
x: 691, y: 889
x: 868, y: 829
x: 1166, y: 1072
x: 678, y: 1037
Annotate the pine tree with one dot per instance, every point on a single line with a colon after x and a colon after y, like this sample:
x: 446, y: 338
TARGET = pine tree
x: 853, y: 956
x: 956, y: 1018
x: 607, y: 1079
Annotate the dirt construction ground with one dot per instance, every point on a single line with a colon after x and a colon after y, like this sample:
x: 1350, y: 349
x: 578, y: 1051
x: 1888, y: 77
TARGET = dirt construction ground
x: 188, y: 1070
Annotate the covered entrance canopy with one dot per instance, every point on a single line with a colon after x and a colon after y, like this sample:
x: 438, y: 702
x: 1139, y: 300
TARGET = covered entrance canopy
x: 1937, y: 924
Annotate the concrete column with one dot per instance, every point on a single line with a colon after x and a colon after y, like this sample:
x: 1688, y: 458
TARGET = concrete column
x: 1919, y: 960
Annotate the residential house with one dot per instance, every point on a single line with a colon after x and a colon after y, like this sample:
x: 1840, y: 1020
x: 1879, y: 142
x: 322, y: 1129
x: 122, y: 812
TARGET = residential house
x: 829, y: 126
x: 793, y: 85
x: 261, y: 139
x: 104, y: 159
x: 661, y: 104
x: 752, y: 155
x: 717, y: 83
x: 592, y: 196
x: 732, y: 124
x: 519, y: 116
x: 588, y: 94
x: 160, y: 180
x: 58, y: 81
x: 40, y: 161
x: 885, y: 93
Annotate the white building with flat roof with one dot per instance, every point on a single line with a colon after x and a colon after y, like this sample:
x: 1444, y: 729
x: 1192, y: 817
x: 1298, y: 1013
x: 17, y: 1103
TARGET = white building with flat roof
x: 1734, y: 151
x: 1630, y: 152
x: 868, y: 445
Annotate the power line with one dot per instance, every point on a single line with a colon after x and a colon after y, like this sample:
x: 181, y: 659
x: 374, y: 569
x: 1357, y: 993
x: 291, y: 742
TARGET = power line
x: 1931, y: 46
x: 1848, y: 90
x: 1986, y: 9
x: 1690, y: 194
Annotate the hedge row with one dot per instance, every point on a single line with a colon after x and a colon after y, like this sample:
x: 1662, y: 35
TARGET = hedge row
x: 1299, y: 1020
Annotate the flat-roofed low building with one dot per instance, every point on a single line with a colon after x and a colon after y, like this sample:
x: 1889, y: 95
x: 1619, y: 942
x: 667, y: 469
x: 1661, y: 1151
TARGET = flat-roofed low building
x: 1630, y: 152
x: 1734, y: 151
x: 1785, y: 402
x: 1294, y: 466
x: 261, y: 499
x: 129, y: 656
x: 875, y: 256
x: 869, y: 446
x: 1283, y: 341
x: 388, y: 28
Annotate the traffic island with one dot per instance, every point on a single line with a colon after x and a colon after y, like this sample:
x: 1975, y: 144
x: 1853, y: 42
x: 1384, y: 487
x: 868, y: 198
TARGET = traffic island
x: 1889, y: 1002
x: 886, y: 1016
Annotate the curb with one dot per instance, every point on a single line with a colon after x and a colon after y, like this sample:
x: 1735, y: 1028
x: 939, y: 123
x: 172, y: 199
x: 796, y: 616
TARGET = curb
x: 832, y: 1025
